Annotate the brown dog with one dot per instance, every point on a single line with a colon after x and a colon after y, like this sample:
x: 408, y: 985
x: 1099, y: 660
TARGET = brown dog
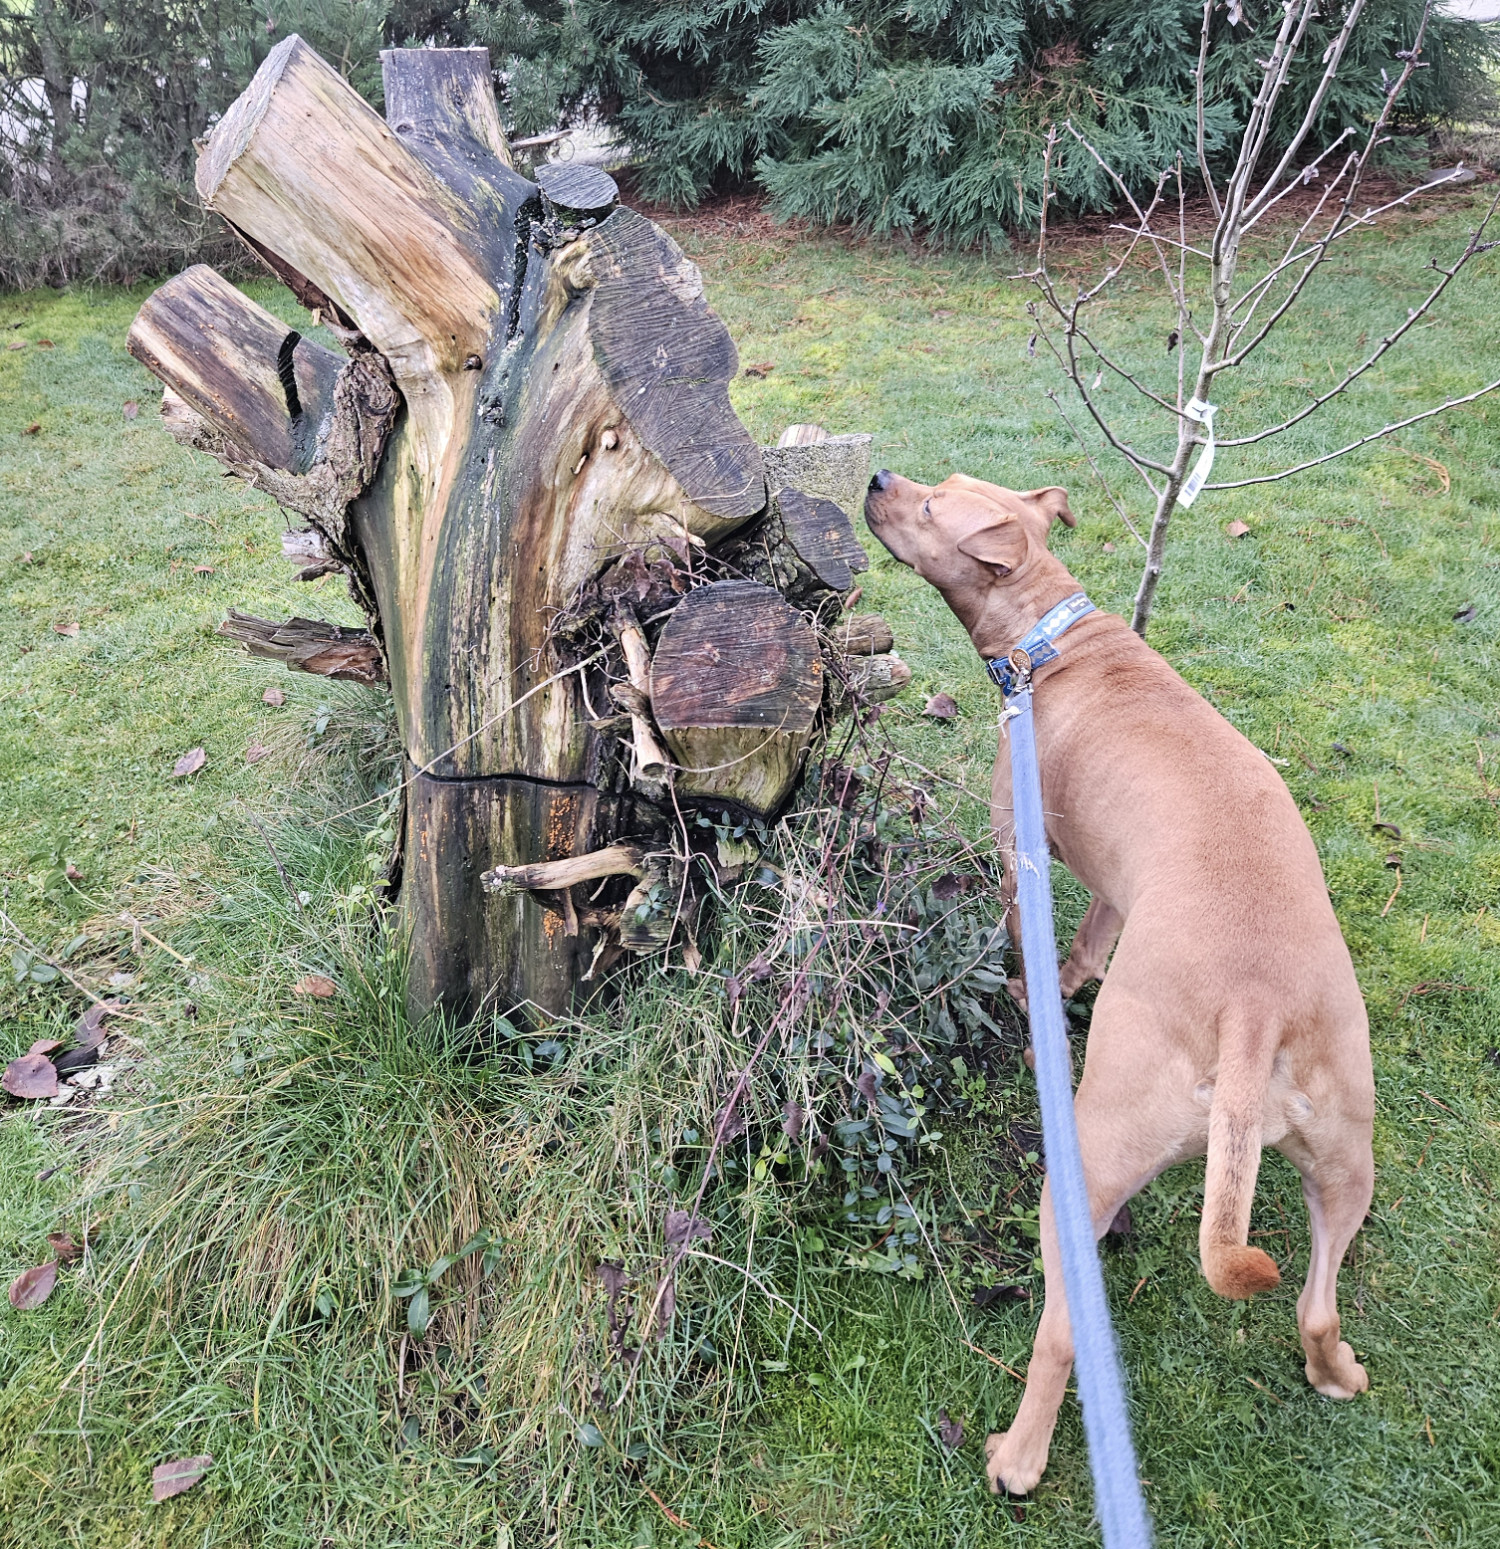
x: 1230, y: 1018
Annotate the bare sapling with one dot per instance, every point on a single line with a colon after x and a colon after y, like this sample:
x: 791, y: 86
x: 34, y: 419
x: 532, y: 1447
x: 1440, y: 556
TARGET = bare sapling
x: 1230, y: 296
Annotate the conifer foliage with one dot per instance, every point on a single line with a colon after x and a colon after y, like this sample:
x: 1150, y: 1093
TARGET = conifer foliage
x: 927, y: 116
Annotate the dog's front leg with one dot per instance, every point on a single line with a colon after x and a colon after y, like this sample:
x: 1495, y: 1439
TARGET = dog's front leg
x: 1003, y: 822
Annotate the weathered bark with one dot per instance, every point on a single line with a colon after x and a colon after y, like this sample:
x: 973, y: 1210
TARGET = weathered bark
x: 554, y: 464
x: 309, y: 645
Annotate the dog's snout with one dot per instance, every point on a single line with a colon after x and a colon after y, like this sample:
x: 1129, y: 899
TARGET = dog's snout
x: 882, y: 480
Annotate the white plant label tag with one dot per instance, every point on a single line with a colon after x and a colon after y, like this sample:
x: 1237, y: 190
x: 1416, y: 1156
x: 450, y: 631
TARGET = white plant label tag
x: 1203, y: 414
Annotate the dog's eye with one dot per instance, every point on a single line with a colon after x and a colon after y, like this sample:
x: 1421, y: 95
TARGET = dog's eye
x: 927, y: 508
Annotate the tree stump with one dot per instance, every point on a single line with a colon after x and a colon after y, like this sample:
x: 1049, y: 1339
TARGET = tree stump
x: 526, y: 462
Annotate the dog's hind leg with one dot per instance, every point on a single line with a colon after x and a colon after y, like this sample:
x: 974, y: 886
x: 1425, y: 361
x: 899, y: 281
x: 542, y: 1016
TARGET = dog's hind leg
x: 1095, y: 940
x: 1129, y: 1129
x: 1338, y: 1179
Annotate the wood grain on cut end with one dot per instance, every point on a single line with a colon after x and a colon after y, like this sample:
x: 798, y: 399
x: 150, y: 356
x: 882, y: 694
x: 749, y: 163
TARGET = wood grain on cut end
x: 574, y: 188
x: 823, y: 537
x: 668, y: 362
x: 736, y: 683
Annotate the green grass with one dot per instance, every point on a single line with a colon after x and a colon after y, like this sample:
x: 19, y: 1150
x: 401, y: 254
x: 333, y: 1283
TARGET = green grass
x: 264, y: 1171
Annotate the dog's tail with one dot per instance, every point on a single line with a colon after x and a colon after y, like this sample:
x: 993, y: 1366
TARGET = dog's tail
x: 1234, y: 1129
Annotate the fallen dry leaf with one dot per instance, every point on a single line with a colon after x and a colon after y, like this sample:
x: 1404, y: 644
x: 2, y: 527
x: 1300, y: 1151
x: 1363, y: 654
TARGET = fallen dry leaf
x: 169, y: 1479
x: 17, y: 344
x: 70, y: 630
x: 32, y: 428
x: 315, y: 984
x: 764, y: 368
x: 72, y: 873
x: 941, y: 707
x: 44, y: 344
x: 189, y: 764
x: 1466, y: 614
x: 950, y: 1432
x: 273, y: 696
x: 45, y: 1046
x: 89, y: 1028
x: 65, y: 1245
x: 1236, y: 529
x: 33, y: 1286
x: 26, y: 557
x: 256, y: 751
x: 32, y: 1076
x: 1109, y: 548
x: 132, y: 408
x: 203, y: 569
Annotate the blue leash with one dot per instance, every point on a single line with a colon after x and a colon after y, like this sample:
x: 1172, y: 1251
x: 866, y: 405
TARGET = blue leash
x: 1101, y: 1385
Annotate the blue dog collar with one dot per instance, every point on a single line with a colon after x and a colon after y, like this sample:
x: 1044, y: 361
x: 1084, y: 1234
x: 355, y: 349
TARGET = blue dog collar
x: 1013, y: 671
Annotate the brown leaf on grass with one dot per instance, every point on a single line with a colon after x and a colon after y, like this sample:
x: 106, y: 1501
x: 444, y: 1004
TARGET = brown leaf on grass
x: 1236, y: 529
x: 682, y: 1227
x: 45, y: 1046
x: 949, y: 885
x: 950, y: 1432
x: 941, y: 707
x: 1389, y: 829
x: 33, y: 1286
x: 1466, y: 614
x: 89, y: 1028
x: 1109, y: 548
x: 70, y: 630
x: 189, y: 764
x: 132, y: 408
x: 44, y: 344
x: 65, y: 1245
x: 18, y: 344
x: 761, y: 369
x: 792, y: 1119
x: 256, y: 751
x: 169, y: 1479
x: 33, y: 1076
x: 273, y: 696
x: 72, y: 873
x: 32, y: 428
x: 315, y: 984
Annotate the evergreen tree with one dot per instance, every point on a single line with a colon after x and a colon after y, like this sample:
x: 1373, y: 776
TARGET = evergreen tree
x: 929, y: 115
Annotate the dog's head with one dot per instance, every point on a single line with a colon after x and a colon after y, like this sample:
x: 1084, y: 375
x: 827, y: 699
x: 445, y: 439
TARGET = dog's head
x: 973, y: 541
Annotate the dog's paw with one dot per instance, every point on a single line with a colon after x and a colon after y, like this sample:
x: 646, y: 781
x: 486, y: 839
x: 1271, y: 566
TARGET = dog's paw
x: 1016, y: 989
x: 1341, y: 1377
x: 1012, y: 1468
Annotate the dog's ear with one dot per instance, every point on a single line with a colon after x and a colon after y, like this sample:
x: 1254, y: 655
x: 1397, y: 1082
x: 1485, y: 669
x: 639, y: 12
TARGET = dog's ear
x: 1001, y: 545
x: 1052, y: 502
